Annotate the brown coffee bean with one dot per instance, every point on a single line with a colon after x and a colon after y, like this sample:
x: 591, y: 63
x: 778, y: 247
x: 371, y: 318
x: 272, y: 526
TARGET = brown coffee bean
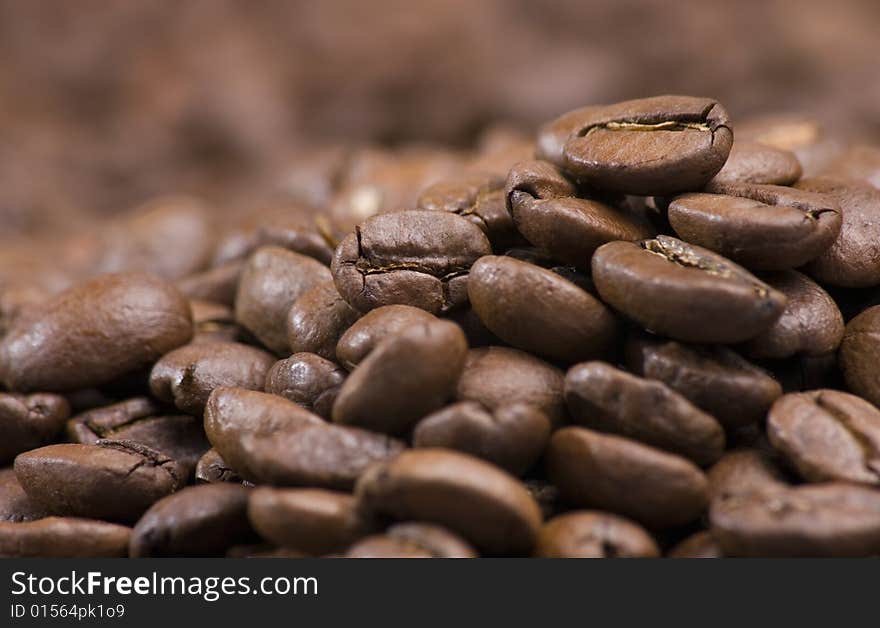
x: 418, y: 258
x: 412, y: 540
x: 827, y: 435
x: 295, y: 232
x: 63, y: 537
x: 673, y: 288
x: 604, y: 398
x: 625, y: 477
x: 753, y: 162
x: 447, y: 488
x: 92, y: 425
x: 404, y: 378
x: 858, y: 354
x: 271, y: 281
x: 833, y: 519
x: 699, y: 545
x: 742, y: 472
x: 496, y: 376
x: 186, y: 376
x: 317, y: 319
x: 212, y: 468
x: 95, y: 332
x: 383, y: 546
x: 15, y: 506
x: 308, y: 380
x: 713, y: 378
x: 853, y: 259
x: 218, y: 284
x: 197, y: 521
x: 537, y: 310
x: 593, y: 534
x: 114, y: 480
x: 373, y: 327
x: 570, y: 228
x: 27, y: 422
x: 762, y: 227
x: 314, y: 521
x: 649, y: 146
x: 513, y: 436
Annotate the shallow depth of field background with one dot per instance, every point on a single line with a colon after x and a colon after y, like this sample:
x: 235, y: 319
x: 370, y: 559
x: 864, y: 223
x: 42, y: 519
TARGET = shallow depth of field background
x: 105, y: 103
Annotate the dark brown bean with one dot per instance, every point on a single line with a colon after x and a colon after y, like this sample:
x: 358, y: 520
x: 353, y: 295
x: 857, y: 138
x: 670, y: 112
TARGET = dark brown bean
x: 699, y: 545
x: 27, y: 422
x: 317, y: 320
x: 212, y: 468
x: 753, y: 162
x: 593, y: 534
x: 858, y: 354
x: 15, y: 505
x: 63, y: 537
x: 412, y: 540
x: 308, y: 380
x: 373, y: 327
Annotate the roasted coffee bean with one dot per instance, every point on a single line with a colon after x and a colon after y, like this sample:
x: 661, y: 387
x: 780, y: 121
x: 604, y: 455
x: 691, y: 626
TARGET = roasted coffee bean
x: 625, y: 477
x: 95, y: 332
x: 197, y: 521
x: 63, y: 537
x: 418, y: 258
x: 496, y: 376
x: 218, y: 284
x: 674, y: 288
x: 551, y: 217
x: 537, y: 310
x: 376, y: 325
x: 713, y: 378
x: 294, y: 232
x: 476, y: 332
x: 699, y: 545
x: 513, y: 436
x: 317, y: 319
x: 858, y: 355
x: 308, y: 380
x: 833, y: 519
x: 604, y: 398
x: 853, y: 259
x: 412, y: 540
x: 404, y: 378
x: 15, y: 506
x: 29, y: 421
x: 186, y: 376
x: 827, y: 435
x: 446, y: 487
x: 479, y: 198
x: 593, y: 534
x: 313, y: 521
x: 811, y: 323
x: 116, y: 480
x: 212, y: 468
x: 742, y: 472
x: 650, y: 146
x: 753, y: 162
x: 92, y: 425
x: 762, y: 227
x: 271, y: 281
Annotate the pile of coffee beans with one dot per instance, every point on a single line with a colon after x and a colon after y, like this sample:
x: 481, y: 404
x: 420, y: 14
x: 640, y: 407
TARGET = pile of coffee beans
x: 631, y: 337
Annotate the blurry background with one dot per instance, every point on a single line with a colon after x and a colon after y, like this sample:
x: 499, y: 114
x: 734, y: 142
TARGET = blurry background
x: 104, y: 104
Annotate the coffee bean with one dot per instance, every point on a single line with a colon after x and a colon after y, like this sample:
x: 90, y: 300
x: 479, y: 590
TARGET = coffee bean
x: 513, y: 436
x: 833, y: 519
x: 713, y: 378
x: 537, y: 310
x: 296, y: 233
x: 418, y: 258
x: 445, y: 487
x: 95, y: 332
x: 63, y: 537
x: 673, y: 288
x: 604, y: 398
x: 404, y: 378
x: 28, y: 422
x: 196, y: 521
x: 762, y: 227
x: 743, y: 472
x: 753, y: 162
x: 374, y: 326
x: 317, y: 320
x: 699, y: 545
x: 811, y: 323
x: 15, y: 506
x: 858, y: 354
x: 412, y: 540
x: 186, y: 376
x: 496, y: 376
x: 625, y: 477
x: 314, y: 521
x: 853, y: 259
x: 651, y: 146
x: 271, y: 281
x: 308, y: 380
x: 547, y: 212
x: 212, y: 468
x: 116, y: 480
x: 593, y: 534
x: 827, y: 435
